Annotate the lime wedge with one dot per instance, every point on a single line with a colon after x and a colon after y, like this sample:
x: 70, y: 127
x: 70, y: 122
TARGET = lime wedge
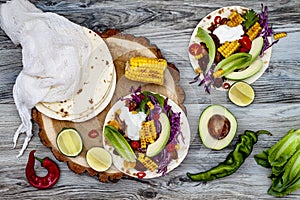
x: 69, y: 142
x: 241, y: 94
x: 98, y: 159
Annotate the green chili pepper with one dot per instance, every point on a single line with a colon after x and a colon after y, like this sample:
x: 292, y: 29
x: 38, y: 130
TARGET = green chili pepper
x: 234, y: 160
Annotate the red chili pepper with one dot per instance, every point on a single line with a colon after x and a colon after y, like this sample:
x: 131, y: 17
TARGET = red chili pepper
x: 226, y: 85
x: 217, y: 19
x: 141, y: 174
x: 245, y: 42
x: 42, y: 182
x: 135, y: 144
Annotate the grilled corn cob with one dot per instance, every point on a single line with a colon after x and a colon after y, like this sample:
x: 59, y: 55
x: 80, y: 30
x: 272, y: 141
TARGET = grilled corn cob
x: 147, y: 162
x: 229, y: 48
x: 277, y: 36
x: 235, y: 19
x: 150, y: 70
x: 147, y: 133
x: 254, y: 31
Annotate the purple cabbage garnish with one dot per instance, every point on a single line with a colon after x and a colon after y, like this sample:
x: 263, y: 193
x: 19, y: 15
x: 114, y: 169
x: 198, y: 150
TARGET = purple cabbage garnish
x: 196, y: 79
x: 135, y: 98
x: 264, y: 23
x: 154, y: 114
x: 175, y: 127
x: 267, y: 30
x: 163, y: 159
x: 208, y: 80
x: 167, y: 107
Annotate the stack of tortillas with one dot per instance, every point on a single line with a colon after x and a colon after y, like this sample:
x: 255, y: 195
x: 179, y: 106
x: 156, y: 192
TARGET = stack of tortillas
x: 65, y: 65
x: 96, y: 91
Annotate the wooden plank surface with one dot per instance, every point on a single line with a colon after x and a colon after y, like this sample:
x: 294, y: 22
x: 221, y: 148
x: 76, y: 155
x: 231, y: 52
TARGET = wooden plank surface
x: 169, y: 25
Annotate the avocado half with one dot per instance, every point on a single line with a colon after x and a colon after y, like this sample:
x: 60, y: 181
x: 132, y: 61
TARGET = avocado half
x: 156, y: 147
x: 217, y: 127
x: 256, y: 63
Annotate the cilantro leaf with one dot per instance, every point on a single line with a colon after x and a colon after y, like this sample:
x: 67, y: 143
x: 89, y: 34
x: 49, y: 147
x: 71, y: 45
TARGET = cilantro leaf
x: 250, y: 18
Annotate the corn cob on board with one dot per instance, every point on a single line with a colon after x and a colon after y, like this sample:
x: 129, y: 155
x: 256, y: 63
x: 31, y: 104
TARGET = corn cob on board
x: 91, y: 130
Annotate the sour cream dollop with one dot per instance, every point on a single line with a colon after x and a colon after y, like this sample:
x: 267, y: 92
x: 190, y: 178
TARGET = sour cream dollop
x: 226, y: 33
x: 133, y: 122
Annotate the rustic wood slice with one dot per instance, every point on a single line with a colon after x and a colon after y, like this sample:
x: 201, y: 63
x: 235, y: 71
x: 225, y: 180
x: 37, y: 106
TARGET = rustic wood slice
x: 122, y: 47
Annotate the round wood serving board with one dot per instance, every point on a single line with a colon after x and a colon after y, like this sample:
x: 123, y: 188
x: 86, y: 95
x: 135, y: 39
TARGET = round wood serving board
x: 122, y: 47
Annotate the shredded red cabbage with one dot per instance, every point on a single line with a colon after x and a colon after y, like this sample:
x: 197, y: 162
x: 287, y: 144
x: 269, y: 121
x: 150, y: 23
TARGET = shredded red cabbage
x: 175, y: 127
x: 208, y: 80
x: 163, y: 159
x: 135, y: 98
x: 267, y: 30
x: 167, y: 107
x: 154, y: 114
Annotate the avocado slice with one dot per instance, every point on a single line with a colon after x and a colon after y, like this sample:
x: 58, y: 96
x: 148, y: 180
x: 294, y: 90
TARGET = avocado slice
x: 156, y: 147
x: 217, y: 127
x: 256, y: 63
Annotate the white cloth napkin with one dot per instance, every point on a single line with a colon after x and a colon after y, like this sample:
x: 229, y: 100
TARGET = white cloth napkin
x: 55, y: 54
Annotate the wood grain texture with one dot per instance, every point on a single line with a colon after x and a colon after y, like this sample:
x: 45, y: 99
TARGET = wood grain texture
x: 169, y: 25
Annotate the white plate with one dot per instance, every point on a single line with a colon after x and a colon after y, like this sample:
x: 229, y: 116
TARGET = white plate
x: 118, y: 161
x: 206, y: 22
x: 96, y: 92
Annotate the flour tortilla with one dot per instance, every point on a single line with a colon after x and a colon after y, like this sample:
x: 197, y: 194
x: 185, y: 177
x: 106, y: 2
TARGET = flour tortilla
x: 97, y: 88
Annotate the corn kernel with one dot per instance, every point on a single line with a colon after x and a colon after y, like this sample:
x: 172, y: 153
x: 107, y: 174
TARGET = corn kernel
x: 150, y: 105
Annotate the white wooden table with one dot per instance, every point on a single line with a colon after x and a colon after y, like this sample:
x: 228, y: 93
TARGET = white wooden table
x: 169, y: 25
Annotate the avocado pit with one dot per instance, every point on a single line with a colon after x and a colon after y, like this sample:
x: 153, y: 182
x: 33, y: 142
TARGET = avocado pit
x: 218, y: 126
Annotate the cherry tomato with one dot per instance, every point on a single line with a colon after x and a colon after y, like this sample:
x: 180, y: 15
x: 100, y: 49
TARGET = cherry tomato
x: 245, y: 42
x: 132, y: 106
x: 156, y: 116
x: 141, y: 175
x: 244, y: 50
x: 170, y: 147
x: 195, y: 49
x: 135, y: 144
x: 217, y: 20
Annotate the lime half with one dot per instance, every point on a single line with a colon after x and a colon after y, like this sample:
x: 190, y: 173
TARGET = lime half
x: 241, y: 94
x: 69, y: 142
x: 98, y: 159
